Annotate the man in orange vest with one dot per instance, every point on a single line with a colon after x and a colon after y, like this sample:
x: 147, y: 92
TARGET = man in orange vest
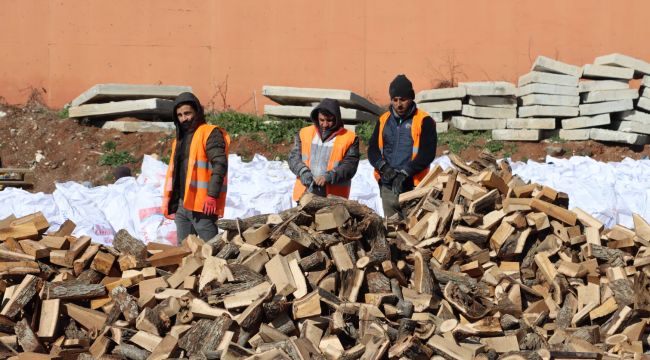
x: 402, y: 146
x: 196, y: 182
x: 325, y: 155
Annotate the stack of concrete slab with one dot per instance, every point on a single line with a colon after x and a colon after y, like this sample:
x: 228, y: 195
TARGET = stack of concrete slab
x: 550, y: 89
x: 636, y: 121
x: 441, y: 104
x: 600, y: 99
x: 605, y: 96
x: 299, y: 102
x: 489, y: 104
x: 112, y: 101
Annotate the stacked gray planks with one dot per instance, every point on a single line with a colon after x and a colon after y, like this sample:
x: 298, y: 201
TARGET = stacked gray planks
x: 636, y: 121
x: 607, y: 103
x: 549, y: 91
x: 299, y: 102
x: 441, y: 104
x: 489, y: 105
x: 111, y: 101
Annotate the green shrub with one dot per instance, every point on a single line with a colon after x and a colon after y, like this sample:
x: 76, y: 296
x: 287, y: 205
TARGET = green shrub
x: 236, y: 124
x: 364, y: 131
x: 64, y: 113
x: 109, y: 146
x: 116, y: 158
x: 112, y: 157
x: 458, y: 141
x: 494, y: 146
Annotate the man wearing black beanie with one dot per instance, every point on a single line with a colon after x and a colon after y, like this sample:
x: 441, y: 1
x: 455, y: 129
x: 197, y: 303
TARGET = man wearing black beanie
x: 402, y: 146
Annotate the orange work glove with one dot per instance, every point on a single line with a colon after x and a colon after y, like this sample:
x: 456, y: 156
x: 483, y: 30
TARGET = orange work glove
x: 210, y: 205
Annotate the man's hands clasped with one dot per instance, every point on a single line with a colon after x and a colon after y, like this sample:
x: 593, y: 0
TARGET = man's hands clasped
x: 394, y: 179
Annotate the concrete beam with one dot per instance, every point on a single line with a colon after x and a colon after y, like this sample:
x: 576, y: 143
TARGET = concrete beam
x: 545, y: 64
x: 643, y: 103
x: 493, y: 101
x: 634, y: 115
x: 436, y: 116
x: 471, y: 124
x: 548, y: 111
x: 489, y: 112
x: 631, y: 126
x: 442, y: 127
x: 140, y: 126
x: 539, y: 88
x: 586, y: 122
x: 441, y: 106
x: 102, y: 93
x: 489, y: 88
x: 574, y: 135
x: 145, y: 107
x: 617, y: 136
x: 440, y: 94
x: 596, y: 85
x: 640, y: 67
x: 547, y: 78
x: 609, y: 95
x: 531, y: 123
x: 288, y: 111
x: 285, y: 95
x: 606, y: 107
x: 553, y: 100
x: 606, y: 72
x: 516, y: 135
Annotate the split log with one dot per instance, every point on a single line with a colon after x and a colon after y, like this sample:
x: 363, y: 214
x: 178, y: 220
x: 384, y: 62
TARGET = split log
x: 28, y: 287
x: 134, y: 252
x: 210, y: 333
x: 244, y: 224
x: 73, y: 290
x: 466, y: 303
x: 26, y: 338
x: 131, y: 352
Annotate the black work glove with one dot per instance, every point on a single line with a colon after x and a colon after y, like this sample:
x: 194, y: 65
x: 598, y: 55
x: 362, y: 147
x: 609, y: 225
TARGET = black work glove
x: 388, y: 174
x: 317, y: 190
x: 306, y: 178
x: 401, y: 182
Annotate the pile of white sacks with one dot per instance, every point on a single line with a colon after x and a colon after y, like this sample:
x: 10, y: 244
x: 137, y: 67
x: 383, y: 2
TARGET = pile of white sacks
x: 609, y: 191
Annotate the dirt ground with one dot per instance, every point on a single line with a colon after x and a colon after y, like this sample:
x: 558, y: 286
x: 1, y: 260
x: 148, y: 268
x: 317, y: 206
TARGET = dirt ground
x: 59, y: 150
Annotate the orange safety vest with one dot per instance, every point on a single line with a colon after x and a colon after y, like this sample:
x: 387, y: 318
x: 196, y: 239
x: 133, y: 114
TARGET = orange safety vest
x: 344, y: 139
x: 416, y: 131
x: 198, y: 173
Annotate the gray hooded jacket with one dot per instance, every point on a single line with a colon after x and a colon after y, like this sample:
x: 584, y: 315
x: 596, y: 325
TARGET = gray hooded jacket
x: 321, y: 149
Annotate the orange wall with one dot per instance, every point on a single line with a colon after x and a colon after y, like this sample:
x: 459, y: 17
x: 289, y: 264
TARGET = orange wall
x: 64, y: 47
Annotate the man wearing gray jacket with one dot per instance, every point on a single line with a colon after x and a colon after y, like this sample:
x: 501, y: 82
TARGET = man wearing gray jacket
x: 325, y: 155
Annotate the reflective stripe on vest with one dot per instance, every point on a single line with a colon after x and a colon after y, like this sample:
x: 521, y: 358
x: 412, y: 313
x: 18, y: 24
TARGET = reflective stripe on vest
x: 199, y: 172
x: 344, y: 139
x: 416, y: 131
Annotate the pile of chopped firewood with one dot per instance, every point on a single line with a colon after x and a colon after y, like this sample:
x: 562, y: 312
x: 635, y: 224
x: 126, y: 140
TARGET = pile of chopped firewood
x: 485, y: 265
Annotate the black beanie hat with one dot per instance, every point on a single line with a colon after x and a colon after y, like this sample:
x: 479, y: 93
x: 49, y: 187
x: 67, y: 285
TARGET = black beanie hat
x: 401, y: 86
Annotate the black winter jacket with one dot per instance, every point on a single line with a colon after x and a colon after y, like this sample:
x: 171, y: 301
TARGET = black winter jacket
x: 215, y: 149
x: 395, y: 142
